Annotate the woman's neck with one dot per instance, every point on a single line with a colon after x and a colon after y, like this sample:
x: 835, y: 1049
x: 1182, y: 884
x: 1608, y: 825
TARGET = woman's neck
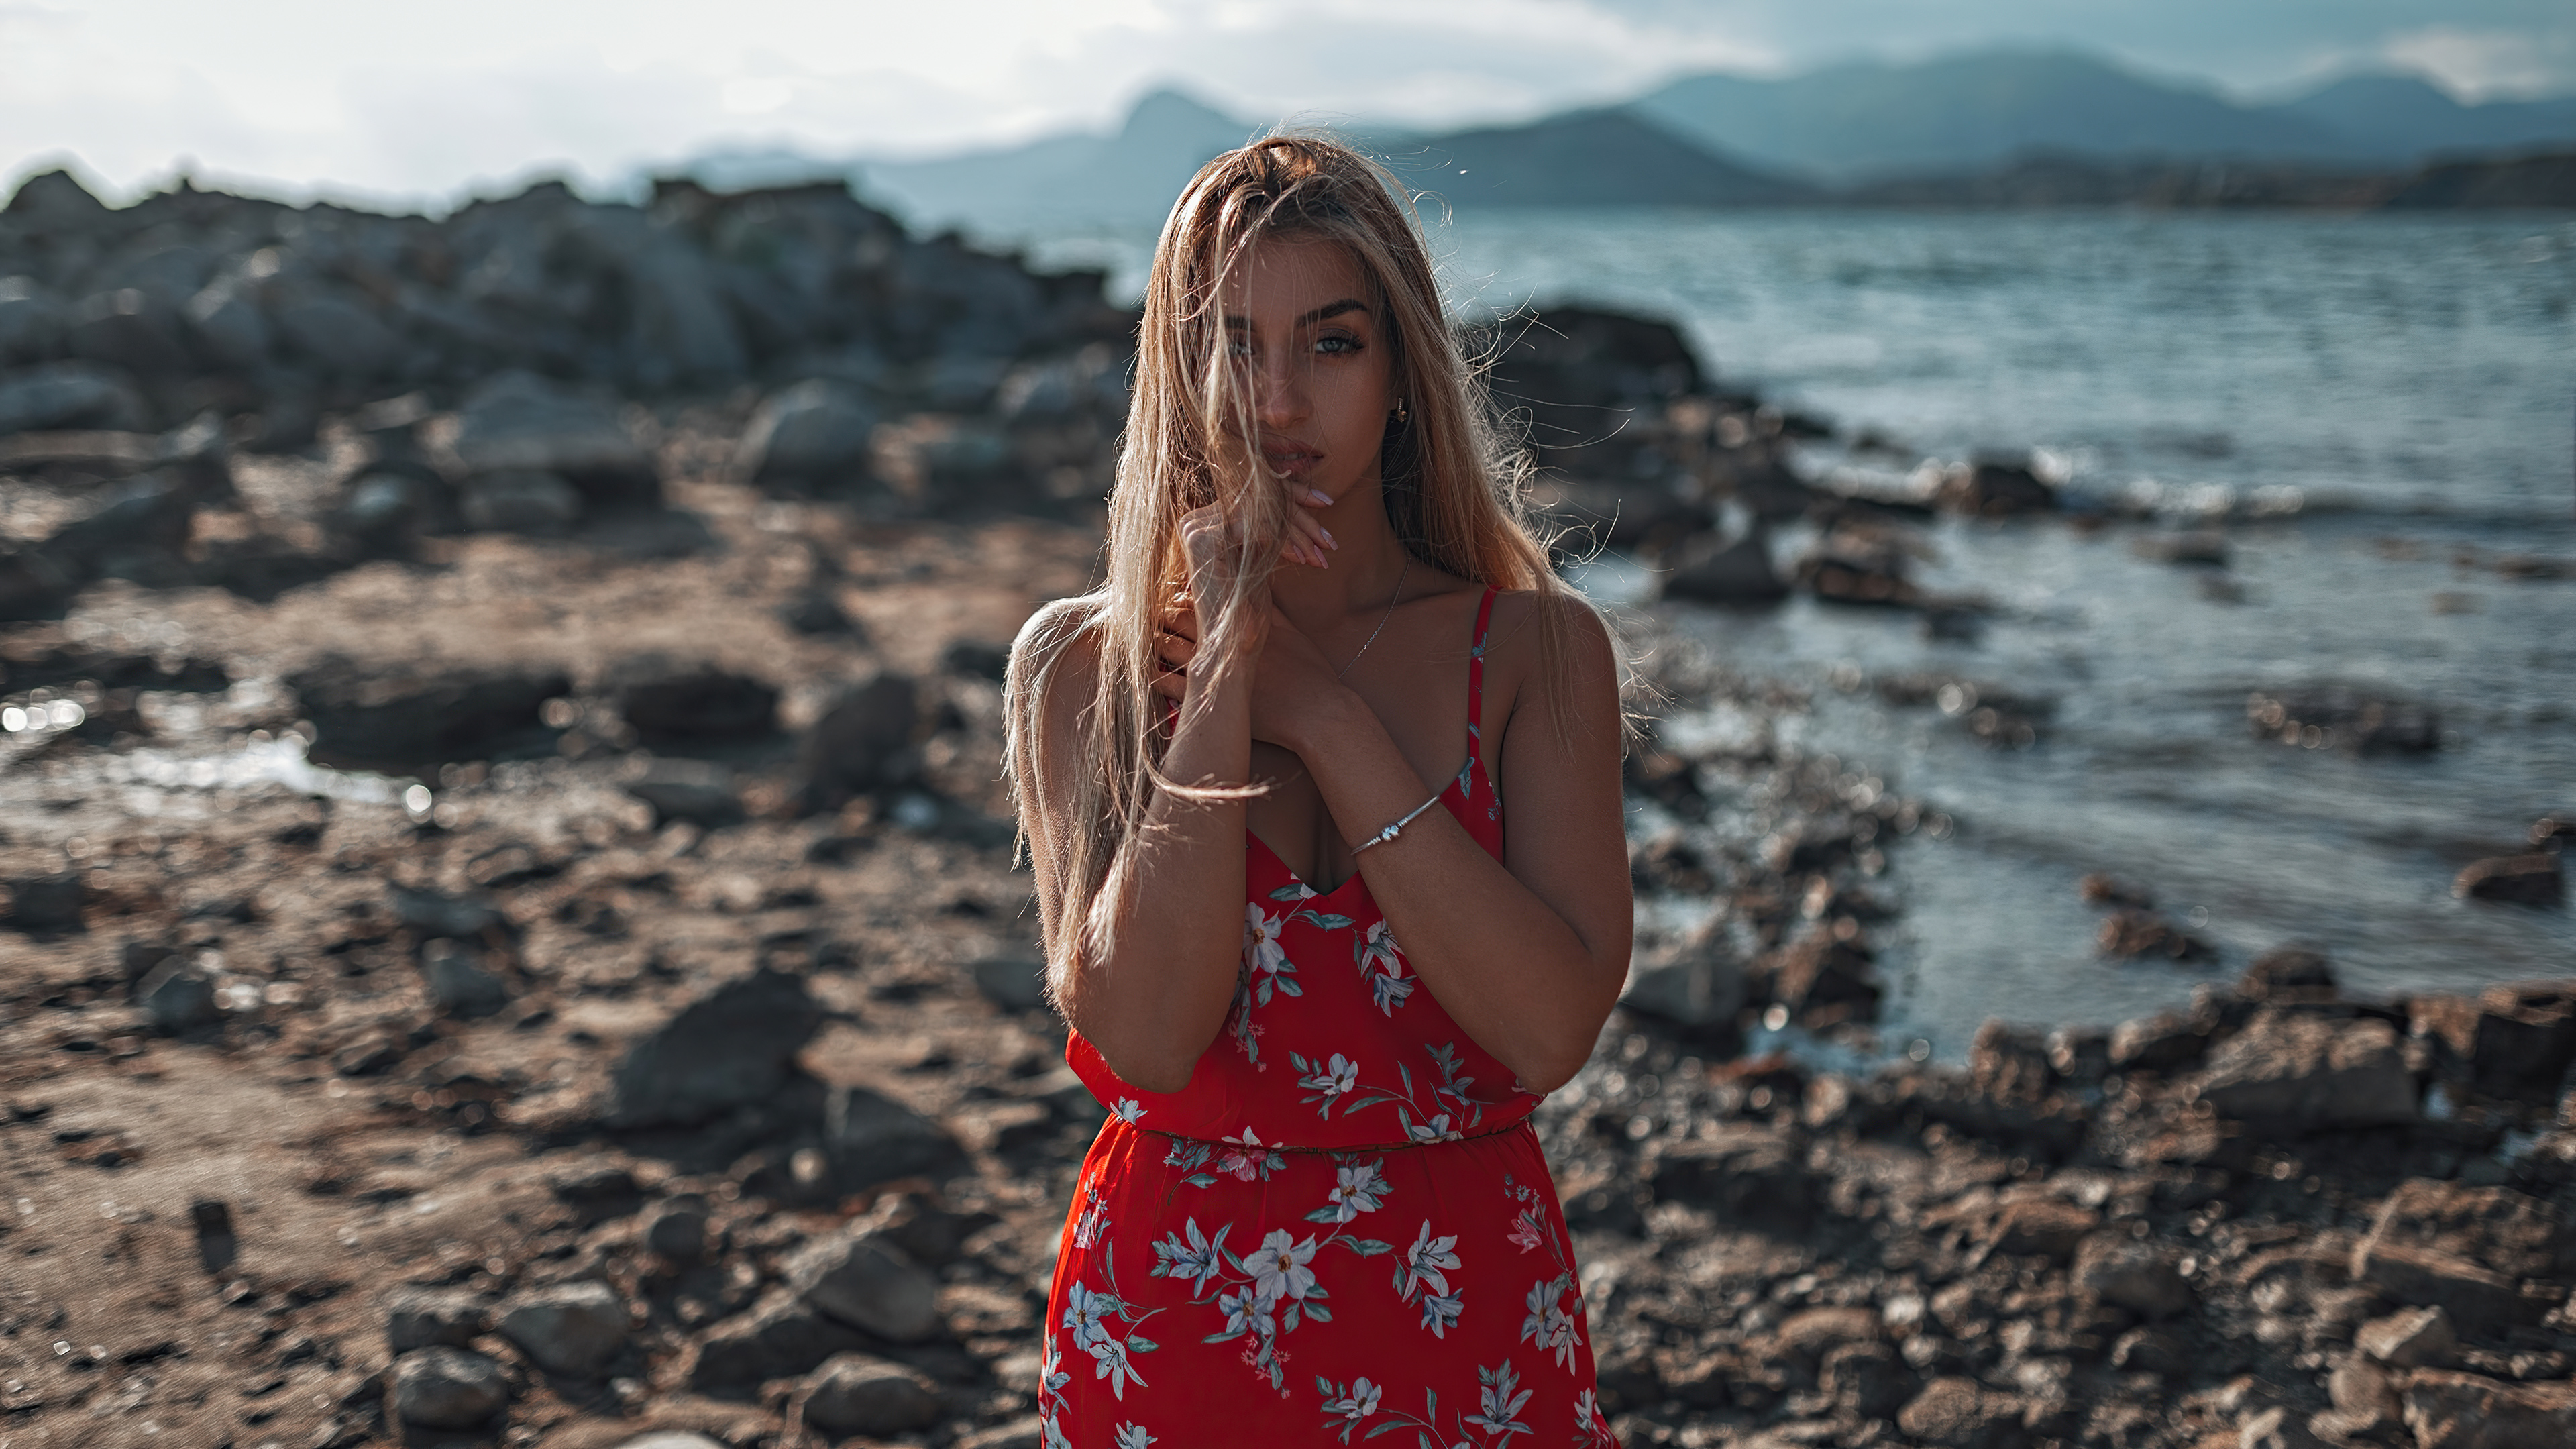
x: 1363, y: 571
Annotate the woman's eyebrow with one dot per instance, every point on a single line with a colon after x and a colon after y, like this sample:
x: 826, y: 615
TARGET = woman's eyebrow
x: 1323, y: 313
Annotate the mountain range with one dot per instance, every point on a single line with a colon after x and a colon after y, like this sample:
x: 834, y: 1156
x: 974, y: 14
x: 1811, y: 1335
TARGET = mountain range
x: 1852, y: 131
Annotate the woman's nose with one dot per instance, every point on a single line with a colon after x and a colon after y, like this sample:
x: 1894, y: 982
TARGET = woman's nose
x: 1280, y: 393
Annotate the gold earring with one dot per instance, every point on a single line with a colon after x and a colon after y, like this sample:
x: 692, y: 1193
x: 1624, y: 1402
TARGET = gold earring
x: 1401, y: 414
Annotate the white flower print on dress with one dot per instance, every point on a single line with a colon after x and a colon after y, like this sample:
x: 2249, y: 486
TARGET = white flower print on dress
x: 1278, y: 1266
x: 1382, y: 966
x: 1128, y: 1110
x: 1548, y: 1324
x: 1200, y: 1258
x: 1093, y: 1220
x: 1263, y: 954
x: 1133, y: 1436
x: 1423, y: 1262
x: 1330, y: 1081
x: 1357, y: 1188
x: 1349, y: 1405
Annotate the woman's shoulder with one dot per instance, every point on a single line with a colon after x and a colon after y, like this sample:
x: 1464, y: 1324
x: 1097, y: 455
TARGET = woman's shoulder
x: 1058, y: 646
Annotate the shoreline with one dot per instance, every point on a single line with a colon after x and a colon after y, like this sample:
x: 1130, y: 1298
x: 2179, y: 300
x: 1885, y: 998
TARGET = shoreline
x: 674, y: 1060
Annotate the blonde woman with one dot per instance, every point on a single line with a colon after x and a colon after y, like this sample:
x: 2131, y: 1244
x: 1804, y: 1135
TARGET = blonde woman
x: 1261, y: 775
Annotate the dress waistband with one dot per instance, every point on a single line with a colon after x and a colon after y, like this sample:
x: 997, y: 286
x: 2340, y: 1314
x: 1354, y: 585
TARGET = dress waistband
x: 1222, y: 1144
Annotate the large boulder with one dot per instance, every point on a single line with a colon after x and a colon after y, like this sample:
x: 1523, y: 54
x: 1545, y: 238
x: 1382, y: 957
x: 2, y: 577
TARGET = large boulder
x: 574, y: 1329
x: 409, y: 713
x: 57, y: 395
x: 446, y: 1388
x: 2302, y: 1072
x: 732, y: 1047
x: 864, y: 1280
x: 684, y: 703
x: 853, y: 1393
x: 779, y: 1336
x: 518, y: 420
x: 869, y: 1138
x: 31, y: 321
x: 813, y: 437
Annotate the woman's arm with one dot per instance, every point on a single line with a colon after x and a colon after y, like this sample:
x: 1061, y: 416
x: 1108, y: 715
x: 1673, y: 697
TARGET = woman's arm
x: 1528, y: 954
x: 1156, y: 994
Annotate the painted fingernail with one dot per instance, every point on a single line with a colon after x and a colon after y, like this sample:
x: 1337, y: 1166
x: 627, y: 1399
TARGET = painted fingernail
x: 1328, y: 536
x: 1320, y: 497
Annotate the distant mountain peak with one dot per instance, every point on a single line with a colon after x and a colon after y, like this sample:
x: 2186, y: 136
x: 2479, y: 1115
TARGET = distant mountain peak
x: 1167, y: 110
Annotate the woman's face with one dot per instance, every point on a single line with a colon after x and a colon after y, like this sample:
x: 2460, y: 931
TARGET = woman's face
x: 1301, y: 325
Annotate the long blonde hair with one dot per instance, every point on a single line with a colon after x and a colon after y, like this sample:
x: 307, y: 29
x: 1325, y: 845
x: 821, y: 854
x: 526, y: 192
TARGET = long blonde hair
x: 1452, y: 488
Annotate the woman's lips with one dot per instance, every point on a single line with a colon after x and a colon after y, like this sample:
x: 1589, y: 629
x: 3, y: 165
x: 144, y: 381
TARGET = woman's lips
x: 1292, y: 460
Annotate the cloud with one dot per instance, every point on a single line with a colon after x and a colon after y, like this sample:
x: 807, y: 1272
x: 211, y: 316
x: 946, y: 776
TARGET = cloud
x: 2481, y: 65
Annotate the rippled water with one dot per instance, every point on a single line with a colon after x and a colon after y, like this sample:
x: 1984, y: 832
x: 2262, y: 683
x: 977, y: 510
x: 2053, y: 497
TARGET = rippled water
x: 2413, y: 379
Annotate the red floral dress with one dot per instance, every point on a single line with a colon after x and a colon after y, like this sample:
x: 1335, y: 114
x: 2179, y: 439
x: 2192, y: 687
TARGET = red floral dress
x: 1343, y: 1224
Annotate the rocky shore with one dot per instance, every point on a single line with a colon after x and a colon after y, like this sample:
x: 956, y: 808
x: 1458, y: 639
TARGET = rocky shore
x: 509, y: 932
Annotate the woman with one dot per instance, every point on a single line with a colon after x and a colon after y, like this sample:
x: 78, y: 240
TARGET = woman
x: 1274, y: 744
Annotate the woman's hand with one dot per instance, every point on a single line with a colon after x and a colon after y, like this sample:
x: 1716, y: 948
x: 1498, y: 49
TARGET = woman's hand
x: 1291, y: 679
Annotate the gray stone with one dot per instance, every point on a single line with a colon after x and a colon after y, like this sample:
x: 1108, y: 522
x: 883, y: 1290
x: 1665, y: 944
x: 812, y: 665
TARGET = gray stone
x: 677, y: 1228
x: 337, y: 329
x: 518, y: 420
x: 2474, y: 1296
x: 1028, y: 1433
x: 814, y: 435
x: 1697, y: 981
x: 671, y: 1439
x: 68, y: 395
x: 2142, y: 1277
x: 406, y: 714
x: 2414, y: 1338
x: 780, y: 1336
x: 457, y: 984
x: 867, y: 1282
x: 1013, y: 983
x: 228, y: 325
x: 2157, y: 1043
x: 2531, y: 880
x: 2304, y: 1072
x: 447, y: 1388
x: 1956, y: 1413
x: 1710, y: 571
x: 869, y: 1138
x: 692, y: 790
x: 574, y: 1329
x: 31, y: 320
x: 177, y: 997
x: 519, y: 500
x: 865, y: 741
x: 425, y: 1317
x: 855, y: 1394
x: 2450, y: 1410
x: 733, y: 1046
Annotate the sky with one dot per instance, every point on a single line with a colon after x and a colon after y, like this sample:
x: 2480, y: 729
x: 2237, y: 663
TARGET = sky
x: 425, y: 104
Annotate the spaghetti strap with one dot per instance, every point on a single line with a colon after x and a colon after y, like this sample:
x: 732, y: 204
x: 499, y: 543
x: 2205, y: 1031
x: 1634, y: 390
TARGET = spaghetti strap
x: 1476, y: 679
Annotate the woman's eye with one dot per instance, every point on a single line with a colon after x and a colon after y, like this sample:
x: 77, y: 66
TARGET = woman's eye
x: 1337, y: 343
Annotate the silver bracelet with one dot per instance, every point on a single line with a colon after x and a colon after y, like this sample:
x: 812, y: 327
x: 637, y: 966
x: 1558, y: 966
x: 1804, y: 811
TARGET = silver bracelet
x: 1392, y: 831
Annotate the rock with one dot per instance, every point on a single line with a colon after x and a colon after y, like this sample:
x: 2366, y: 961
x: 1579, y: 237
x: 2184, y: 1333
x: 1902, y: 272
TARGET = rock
x: 519, y: 500
x: 2343, y: 718
x: 177, y: 997
x: 457, y: 983
x: 669, y: 703
x: 2131, y: 934
x: 1819, y: 977
x: 1843, y: 569
x: 692, y: 790
x: 1955, y: 1413
x: 677, y: 1228
x: 2157, y: 1043
x: 2506, y: 1041
x: 1013, y: 983
x: 2009, y: 1064
x: 31, y: 321
x: 2528, y: 880
x: 405, y: 714
x: 2361, y: 1388
x: 469, y: 917
x: 731, y: 1047
x: 519, y: 421
x: 2205, y: 546
x: 446, y: 1388
x: 2449, y: 1410
x: 2042, y: 1227
x: 2514, y: 1233
x: 670, y: 1439
x: 365, y: 1057
x: 2301, y: 1072
x: 2412, y: 1338
x: 57, y: 395
x: 1710, y: 571
x: 2288, y: 974
x: 45, y: 903
x: 1697, y: 981
x: 2275, y: 1428
x: 1811, y: 1331
x: 425, y: 1317
x: 1994, y: 490
x: 1866, y: 1378
x: 2142, y: 1277
x: 574, y: 1329
x: 816, y: 436
x: 865, y: 741
x: 931, y: 1234
x: 780, y: 1336
x: 2476, y: 1297
x: 867, y: 1282
x: 2151, y: 1351
x: 600, y: 1190
x: 1028, y: 1433
x: 382, y: 512
x: 1744, y: 1172
x: 855, y: 1394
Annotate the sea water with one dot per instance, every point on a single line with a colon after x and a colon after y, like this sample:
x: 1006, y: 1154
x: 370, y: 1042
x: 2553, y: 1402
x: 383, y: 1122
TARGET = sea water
x: 2376, y: 409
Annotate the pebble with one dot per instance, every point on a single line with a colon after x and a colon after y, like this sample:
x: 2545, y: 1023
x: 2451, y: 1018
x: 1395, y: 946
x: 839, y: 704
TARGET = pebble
x: 447, y: 1388
x: 574, y: 1329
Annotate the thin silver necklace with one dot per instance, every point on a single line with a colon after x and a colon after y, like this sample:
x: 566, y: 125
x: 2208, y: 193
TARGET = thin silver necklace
x: 1382, y: 618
